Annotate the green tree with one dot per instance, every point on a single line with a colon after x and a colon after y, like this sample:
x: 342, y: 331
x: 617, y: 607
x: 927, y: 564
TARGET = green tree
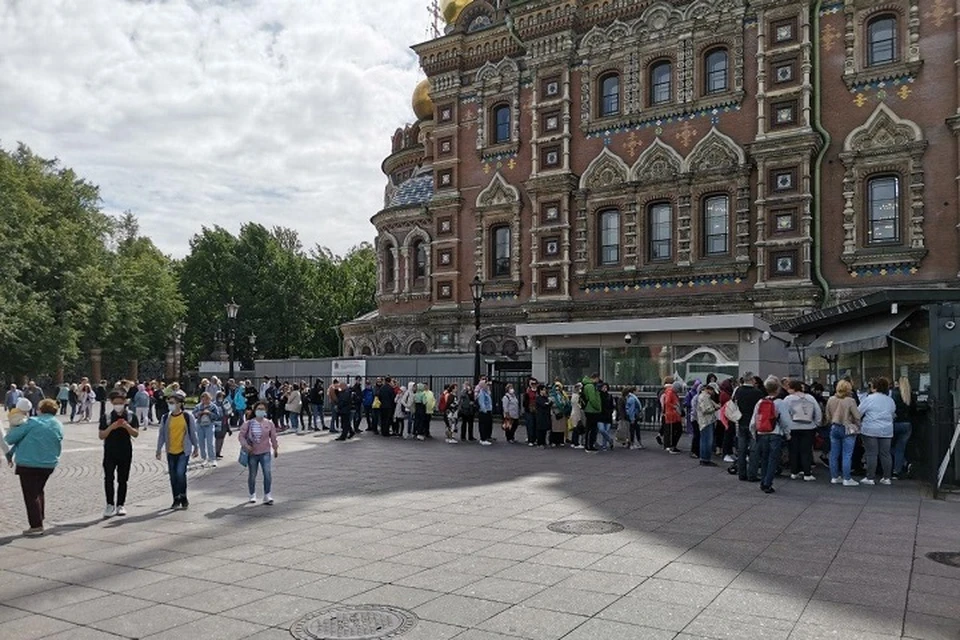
x: 53, y: 242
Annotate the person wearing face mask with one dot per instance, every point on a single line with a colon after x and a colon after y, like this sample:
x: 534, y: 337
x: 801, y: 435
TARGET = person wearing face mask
x: 117, y: 430
x: 257, y: 436
x: 178, y: 433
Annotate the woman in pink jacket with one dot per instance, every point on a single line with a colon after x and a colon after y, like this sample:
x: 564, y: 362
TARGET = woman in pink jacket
x: 257, y: 436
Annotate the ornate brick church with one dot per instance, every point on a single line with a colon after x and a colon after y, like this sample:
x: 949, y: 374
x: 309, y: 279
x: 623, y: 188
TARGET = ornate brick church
x: 647, y: 186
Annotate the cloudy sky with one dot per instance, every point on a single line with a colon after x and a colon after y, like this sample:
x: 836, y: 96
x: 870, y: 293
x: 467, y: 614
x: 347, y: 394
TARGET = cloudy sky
x: 202, y: 112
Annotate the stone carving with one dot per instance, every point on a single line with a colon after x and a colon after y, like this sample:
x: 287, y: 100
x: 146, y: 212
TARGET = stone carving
x: 715, y: 152
x: 605, y: 171
x: 658, y: 163
x: 883, y: 131
x: 498, y: 193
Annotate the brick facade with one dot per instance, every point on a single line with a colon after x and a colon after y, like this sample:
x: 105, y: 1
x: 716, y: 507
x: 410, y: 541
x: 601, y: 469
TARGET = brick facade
x: 616, y: 159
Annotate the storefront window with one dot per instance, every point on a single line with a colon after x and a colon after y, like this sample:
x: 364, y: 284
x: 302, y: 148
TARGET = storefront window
x: 571, y: 365
x: 876, y: 363
x: 641, y: 365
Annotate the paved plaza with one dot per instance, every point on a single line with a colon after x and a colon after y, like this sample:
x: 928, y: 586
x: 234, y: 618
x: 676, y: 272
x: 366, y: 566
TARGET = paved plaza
x: 458, y: 535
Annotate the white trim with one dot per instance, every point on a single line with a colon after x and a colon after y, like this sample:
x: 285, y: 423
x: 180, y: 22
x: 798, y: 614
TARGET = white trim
x: 645, y: 325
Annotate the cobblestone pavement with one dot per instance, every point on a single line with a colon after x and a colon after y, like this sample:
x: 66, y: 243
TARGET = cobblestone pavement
x: 458, y: 535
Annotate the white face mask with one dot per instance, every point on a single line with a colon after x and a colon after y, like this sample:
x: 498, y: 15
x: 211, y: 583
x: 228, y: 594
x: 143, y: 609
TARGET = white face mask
x: 119, y: 408
x: 174, y: 408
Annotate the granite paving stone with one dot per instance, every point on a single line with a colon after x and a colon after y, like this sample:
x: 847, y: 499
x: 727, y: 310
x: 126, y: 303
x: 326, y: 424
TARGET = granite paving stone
x: 459, y: 536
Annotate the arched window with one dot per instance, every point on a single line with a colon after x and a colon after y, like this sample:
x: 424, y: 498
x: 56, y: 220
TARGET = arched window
x: 608, y: 227
x: 501, y: 124
x: 660, y: 230
x: 419, y: 260
x: 389, y: 348
x: 661, y: 82
x: 418, y: 348
x: 715, y: 71
x: 716, y: 225
x: 882, y: 40
x: 501, y: 252
x: 883, y: 210
x: 609, y: 95
x: 389, y: 269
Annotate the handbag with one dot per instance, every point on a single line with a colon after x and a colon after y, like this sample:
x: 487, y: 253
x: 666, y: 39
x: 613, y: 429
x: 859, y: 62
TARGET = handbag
x: 732, y: 411
x: 244, y: 458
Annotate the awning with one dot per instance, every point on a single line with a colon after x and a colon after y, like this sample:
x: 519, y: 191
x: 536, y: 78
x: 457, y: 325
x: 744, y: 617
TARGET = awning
x: 861, y: 335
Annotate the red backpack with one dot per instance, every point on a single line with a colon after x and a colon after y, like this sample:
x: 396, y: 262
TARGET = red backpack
x: 444, y: 398
x: 766, y: 421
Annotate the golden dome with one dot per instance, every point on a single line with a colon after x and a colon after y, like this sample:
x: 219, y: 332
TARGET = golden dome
x: 422, y: 104
x: 451, y: 9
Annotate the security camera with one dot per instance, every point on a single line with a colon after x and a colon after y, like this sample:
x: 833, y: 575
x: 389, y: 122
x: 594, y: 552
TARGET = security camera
x: 628, y: 338
x: 950, y: 325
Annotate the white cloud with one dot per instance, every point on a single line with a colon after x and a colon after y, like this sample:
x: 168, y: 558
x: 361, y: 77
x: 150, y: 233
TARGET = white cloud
x: 193, y: 112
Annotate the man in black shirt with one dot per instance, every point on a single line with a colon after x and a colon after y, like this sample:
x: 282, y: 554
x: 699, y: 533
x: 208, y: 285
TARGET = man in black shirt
x: 746, y: 396
x: 117, y: 428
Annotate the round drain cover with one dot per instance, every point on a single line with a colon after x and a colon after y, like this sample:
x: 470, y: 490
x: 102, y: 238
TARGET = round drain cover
x: 949, y: 558
x: 362, y: 622
x: 585, y: 527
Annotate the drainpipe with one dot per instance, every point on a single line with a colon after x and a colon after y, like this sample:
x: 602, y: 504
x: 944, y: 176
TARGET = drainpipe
x: 818, y: 163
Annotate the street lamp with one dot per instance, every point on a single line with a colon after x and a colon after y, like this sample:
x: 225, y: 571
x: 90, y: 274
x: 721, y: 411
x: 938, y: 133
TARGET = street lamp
x: 232, y: 309
x: 179, y: 330
x: 253, y: 348
x: 476, y: 287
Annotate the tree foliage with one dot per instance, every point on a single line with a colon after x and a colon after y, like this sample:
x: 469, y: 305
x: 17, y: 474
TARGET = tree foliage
x: 72, y: 278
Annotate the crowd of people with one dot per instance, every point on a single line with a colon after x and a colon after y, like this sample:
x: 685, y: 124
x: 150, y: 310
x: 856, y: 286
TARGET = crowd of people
x: 747, y: 423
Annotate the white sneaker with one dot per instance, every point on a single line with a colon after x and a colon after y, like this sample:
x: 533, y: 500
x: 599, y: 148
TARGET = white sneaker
x: 868, y: 482
x: 214, y: 464
x: 809, y: 478
x: 268, y: 499
x: 837, y: 480
x: 253, y: 498
x: 794, y: 476
x: 578, y: 446
x: 451, y: 441
x: 203, y: 464
x: 109, y: 511
x: 729, y: 459
x: 886, y: 481
x: 121, y: 510
x: 486, y: 443
x: 421, y: 438
x: 851, y: 483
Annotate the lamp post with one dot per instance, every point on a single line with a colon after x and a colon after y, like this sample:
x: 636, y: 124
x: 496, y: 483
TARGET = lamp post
x: 253, y: 349
x: 476, y: 287
x: 179, y: 330
x: 232, y: 309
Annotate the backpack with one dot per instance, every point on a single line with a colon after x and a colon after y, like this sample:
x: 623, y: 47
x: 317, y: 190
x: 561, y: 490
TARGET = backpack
x: 766, y: 416
x: 582, y: 400
x: 444, y: 399
x: 802, y: 411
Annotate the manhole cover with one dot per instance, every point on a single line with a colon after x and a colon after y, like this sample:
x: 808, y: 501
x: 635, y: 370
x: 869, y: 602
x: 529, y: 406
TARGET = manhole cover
x: 363, y: 622
x: 951, y: 559
x: 585, y: 527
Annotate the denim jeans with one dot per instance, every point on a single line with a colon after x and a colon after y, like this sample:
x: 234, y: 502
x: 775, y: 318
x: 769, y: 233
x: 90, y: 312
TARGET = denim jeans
x: 205, y: 435
x: 706, y: 443
x: 530, y: 422
x: 261, y: 460
x: 318, y: 418
x: 177, y: 468
x: 768, y: 450
x: 334, y: 418
x: 841, y: 445
x: 603, y: 431
x: 294, y: 420
x: 748, y: 462
x: 901, y: 436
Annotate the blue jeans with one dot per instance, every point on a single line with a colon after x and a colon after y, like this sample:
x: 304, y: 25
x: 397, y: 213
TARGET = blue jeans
x: 294, y: 420
x: 901, y: 436
x: 411, y: 417
x: 603, y: 430
x: 748, y: 463
x: 206, y: 435
x: 706, y: 443
x: 317, y: 411
x: 841, y: 445
x: 530, y: 422
x: 768, y: 450
x: 177, y: 467
x: 334, y: 418
x: 261, y: 460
